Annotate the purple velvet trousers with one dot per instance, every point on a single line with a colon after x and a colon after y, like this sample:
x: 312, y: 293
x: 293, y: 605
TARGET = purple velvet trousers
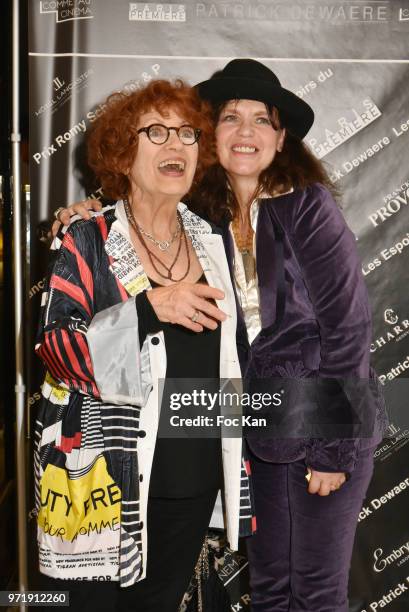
x: 300, y: 556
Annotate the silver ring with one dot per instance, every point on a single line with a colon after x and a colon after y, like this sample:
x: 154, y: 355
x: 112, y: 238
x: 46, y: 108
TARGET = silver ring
x: 58, y: 211
x: 195, y: 316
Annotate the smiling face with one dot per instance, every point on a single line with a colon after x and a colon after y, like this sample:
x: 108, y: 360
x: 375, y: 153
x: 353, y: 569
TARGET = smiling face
x: 246, y: 140
x: 167, y: 169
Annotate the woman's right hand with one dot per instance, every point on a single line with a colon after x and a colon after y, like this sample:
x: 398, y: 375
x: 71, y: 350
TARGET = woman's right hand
x: 180, y: 302
x: 324, y: 483
x: 78, y: 208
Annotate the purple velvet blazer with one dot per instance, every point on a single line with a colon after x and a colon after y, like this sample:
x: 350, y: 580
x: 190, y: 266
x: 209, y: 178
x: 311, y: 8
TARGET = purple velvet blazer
x: 314, y: 312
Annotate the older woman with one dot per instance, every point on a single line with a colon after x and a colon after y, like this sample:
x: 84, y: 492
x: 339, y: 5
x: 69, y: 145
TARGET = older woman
x: 129, y: 293
x: 304, y: 318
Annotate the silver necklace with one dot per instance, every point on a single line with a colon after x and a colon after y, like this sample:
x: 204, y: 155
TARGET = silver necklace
x: 162, y: 245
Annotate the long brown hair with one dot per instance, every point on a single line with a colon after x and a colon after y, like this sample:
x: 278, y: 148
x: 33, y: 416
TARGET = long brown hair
x: 294, y: 167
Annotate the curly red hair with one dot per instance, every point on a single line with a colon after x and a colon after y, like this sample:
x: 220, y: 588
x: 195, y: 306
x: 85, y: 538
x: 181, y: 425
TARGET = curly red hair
x: 113, y: 141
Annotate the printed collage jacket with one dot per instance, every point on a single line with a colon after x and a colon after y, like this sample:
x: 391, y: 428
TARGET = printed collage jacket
x: 97, y: 424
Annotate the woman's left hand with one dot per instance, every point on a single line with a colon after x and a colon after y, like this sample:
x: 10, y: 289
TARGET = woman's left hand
x: 325, y: 483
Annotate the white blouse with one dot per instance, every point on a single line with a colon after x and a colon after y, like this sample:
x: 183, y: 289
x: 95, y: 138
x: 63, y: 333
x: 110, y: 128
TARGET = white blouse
x: 247, y: 292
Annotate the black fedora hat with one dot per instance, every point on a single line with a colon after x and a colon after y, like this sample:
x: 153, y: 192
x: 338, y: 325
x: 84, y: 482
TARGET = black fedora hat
x: 247, y: 79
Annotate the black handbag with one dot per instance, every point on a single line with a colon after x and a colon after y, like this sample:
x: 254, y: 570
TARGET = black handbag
x: 211, y: 596
x: 206, y: 592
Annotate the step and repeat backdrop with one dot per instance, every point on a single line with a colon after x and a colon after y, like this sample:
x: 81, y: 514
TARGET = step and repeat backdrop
x: 349, y: 60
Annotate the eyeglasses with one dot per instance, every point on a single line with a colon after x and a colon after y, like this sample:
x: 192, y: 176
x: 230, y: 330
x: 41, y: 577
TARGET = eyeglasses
x: 159, y: 134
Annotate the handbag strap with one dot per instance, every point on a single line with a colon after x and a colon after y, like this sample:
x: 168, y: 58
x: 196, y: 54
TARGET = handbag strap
x: 202, y: 572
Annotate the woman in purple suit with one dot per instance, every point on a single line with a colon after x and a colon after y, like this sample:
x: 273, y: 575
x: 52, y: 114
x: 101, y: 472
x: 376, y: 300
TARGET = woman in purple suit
x: 303, y: 317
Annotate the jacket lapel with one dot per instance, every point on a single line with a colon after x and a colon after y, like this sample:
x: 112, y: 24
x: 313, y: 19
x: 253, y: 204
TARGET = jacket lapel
x: 210, y: 250
x: 241, y: 336
x: 270, y: 268
x: 125, y: 264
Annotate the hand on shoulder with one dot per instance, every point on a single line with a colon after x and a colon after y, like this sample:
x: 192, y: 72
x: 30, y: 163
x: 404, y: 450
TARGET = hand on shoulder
x: 82, y: 208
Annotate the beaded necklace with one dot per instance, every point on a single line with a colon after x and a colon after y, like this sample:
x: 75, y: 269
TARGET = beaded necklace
x: 245, y: 247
